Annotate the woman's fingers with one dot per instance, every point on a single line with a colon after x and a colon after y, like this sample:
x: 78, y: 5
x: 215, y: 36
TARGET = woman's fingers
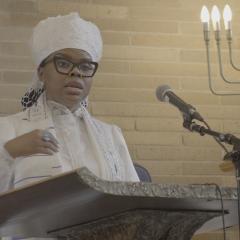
x: 47, y: 151
x: 49, y: 145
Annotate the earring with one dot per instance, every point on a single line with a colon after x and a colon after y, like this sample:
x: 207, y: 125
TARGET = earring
x: 84, y: 102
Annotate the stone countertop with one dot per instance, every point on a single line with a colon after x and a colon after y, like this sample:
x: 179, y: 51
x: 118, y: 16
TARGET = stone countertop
x: 208, y: 190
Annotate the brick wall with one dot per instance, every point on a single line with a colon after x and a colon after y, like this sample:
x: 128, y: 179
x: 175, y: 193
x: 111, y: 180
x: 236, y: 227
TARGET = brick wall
x: 147, y: 43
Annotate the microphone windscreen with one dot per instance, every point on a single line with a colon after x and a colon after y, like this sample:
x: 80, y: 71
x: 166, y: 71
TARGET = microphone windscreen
x: 161, y: 91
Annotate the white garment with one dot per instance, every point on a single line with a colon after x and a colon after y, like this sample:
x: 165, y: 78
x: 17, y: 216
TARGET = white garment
x: 73, y: 138
x: 72, y: 132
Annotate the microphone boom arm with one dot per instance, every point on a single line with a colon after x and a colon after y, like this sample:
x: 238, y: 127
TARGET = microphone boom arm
x: 226, y: 138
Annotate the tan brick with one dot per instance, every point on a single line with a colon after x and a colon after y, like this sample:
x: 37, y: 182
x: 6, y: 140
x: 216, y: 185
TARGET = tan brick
x: 199, y: 98
x: 19, y: 6
x: 206, y: 168
x: 137, y: 26
x: 24, y: 6
x: 131, y: 110
x: 139, y: 53
x: 154, y: 26
x: 119, y: 12
x: 85, y: 10
x: 17, y: 77
x: 152, y: 110
x: 14, y: 34
x: 56, y: 7
x: 230, y: 75
x: 178, y: 153
x: 201, y: 84
x: 118, y: 25
x: 199, y: 56
x: 9, y: 106
x: 25, y: 19
x: 231, y: 112
x: 159, y: 124
x: 123, y: 123
x: 196, y: 28
x: 107, y: 66
x: 172, y: 69
x: 229, y: 181
x: 115, y: 38
x: 113, y: 109
x: 16, y: 63
x: 194, y: 139
x: 210, y: 3
x: 5, y: 19
x: 209, y: 112
x: 164, y: 14
x: 166, y: 40
x: 158, y: 138
x: 216, y: 125
x: 122, y: 95
x: 133, y: 81
x: 178, y: 179
x: 14, y: 49
x: 12, y: 91
x: 191, y: 28
x: 157, y: 3
x: 208, y: 236
x: 230, y: 100
x: 20, y: 19
x: 162, y: 168
x: 231, y: 126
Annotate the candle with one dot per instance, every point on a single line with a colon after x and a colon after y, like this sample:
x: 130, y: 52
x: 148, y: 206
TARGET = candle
x: 227, y: 16
x: 205, y: 20
x: 215, y: 15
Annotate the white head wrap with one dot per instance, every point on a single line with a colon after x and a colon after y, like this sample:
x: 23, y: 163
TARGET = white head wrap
x: 69, y: 31
x: 56, y: 33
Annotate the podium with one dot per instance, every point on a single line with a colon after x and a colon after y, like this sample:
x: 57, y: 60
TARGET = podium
x: 79, y: 205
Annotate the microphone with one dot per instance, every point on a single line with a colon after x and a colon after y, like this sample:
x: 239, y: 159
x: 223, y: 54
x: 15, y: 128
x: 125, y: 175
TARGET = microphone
x: 165, y: 94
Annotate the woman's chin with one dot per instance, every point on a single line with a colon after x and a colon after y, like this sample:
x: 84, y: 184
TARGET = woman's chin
x: 72, y: 100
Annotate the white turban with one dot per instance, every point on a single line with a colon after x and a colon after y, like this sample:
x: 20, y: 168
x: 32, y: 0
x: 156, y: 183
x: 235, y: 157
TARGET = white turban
x: 69, y: 31
x: 57, y: 33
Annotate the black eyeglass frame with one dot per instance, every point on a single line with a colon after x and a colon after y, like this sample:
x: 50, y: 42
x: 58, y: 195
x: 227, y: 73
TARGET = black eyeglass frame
x: 56, y: 57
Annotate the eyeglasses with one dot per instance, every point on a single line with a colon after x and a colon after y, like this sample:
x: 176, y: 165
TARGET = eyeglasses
x: 65, y: 66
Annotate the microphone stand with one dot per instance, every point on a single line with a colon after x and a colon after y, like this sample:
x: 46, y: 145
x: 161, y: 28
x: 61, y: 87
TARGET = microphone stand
x: 234, y: 155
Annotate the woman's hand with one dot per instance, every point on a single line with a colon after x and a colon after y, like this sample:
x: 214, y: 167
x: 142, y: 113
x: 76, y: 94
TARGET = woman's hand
x: 35, y: 142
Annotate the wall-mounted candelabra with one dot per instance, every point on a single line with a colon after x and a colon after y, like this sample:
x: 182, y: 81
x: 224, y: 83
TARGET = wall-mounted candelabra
x: 216, y: 17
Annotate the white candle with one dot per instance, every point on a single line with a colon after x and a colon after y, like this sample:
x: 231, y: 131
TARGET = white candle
x: 227, y: 16
x: 205, y: 18
x: 215, y: 15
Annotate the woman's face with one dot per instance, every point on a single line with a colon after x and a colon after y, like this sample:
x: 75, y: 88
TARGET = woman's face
x: 67, y: 88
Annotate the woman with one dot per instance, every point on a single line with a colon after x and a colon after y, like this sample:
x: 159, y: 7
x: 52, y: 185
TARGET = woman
x: 55, y: 133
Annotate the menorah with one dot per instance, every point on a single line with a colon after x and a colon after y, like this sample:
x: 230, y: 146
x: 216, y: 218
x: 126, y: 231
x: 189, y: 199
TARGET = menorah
x: 216, y: 17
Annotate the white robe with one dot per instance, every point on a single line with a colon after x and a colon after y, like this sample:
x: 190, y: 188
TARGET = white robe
x: 76, y: 148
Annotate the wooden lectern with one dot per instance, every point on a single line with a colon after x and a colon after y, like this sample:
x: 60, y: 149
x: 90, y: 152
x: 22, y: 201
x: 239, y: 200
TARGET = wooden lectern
x: 78, y: 205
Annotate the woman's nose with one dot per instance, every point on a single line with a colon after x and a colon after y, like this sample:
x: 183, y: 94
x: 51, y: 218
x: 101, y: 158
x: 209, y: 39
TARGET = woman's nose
x: 75, y: 72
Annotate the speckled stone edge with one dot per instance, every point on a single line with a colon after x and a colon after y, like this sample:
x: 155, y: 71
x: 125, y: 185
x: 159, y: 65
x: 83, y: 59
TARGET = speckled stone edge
x: 199, y: 191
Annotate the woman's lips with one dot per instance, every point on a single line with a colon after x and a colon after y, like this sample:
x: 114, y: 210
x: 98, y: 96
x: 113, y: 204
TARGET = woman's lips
x: 73, y: 88
x: 74, y: 85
